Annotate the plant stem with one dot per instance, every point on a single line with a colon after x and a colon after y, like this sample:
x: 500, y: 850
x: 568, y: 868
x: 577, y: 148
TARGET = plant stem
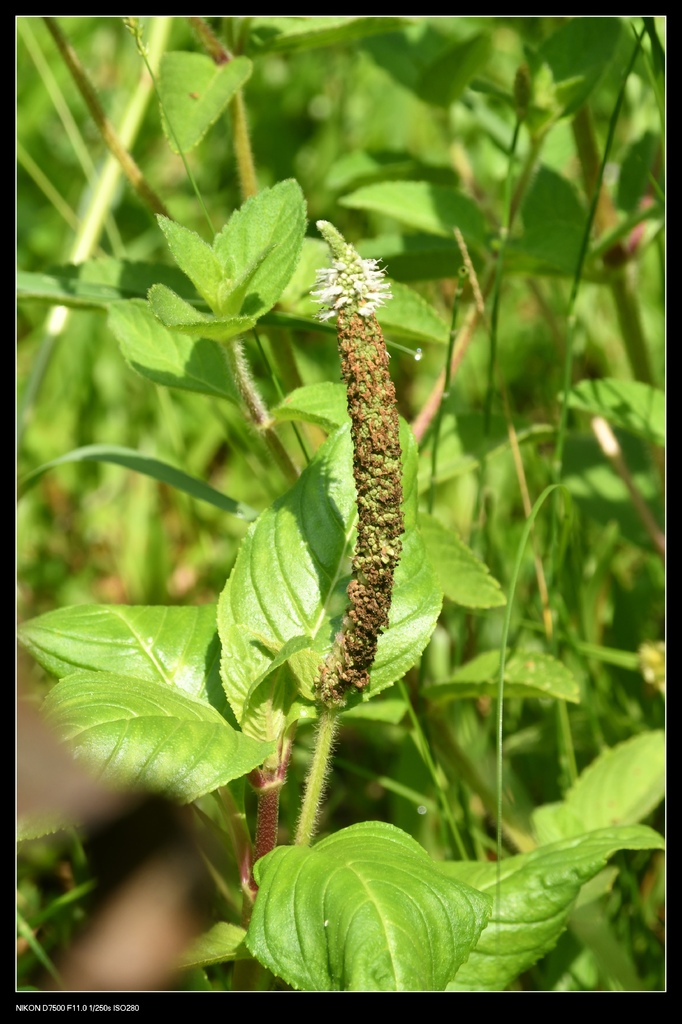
x: 242, y: 145
x: 90, y: 230
x: 317, y: 775
x: 255, y: 407
x: 245, y: 165
x: 235, y: 822
x: 214, y: 48
x: 624, y: 291
x: 107, y: 130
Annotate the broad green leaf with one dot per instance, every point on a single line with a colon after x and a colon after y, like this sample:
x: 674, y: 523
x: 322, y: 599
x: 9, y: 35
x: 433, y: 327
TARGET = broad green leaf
x: 175, y: 312
x: 554, y: 224
x: 220, y: 943
x: 464, y: 578
x: 388, y: 709
x: 364, y: 167
x: 134, y: 732
x: 366, y: 909
x: 464, y: 442
x: 629, y: 404
x: 279, y: 35
x: 422, y: 206
x: 323, y: 404
x: 194, y: 256
x: 35, y: 826
x: 620, y: 787
x: 414, y: 257
x: 577, y: 54
x: 292, y: 571
x: 526, y: 674
x: 274, y: 220
x: 424, y: 58
x: 601, y: 493
x: 296, y: 296
x: 445, y: 78
x: 169, y: 357
x: 194, y: 91
x: 537, y: 892
x: 154, y: 468
x: 96, y: 284
x: 638, y: 167
x: 178, y: 647
x: 410, y: 316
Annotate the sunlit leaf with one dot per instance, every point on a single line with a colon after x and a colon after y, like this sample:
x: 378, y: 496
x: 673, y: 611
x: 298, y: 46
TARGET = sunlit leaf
x: 366, y: 909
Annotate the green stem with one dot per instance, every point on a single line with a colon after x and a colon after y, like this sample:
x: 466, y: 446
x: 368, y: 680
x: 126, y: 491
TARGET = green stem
x: 255, y: 407
x: 280, y: 391
x: 214, y: 48
x: 624, y: 291
x: 445, y: 394
x: 317, y: 776
x: 106, y: 129
x: 242, y: 145
x: 98, y: 211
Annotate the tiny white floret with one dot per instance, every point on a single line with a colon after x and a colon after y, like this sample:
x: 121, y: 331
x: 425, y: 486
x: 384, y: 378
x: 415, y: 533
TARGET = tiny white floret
x: 350, y: 281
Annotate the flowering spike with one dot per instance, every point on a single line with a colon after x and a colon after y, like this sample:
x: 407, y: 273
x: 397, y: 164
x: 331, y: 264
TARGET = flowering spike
x: 353, y: 288
x: 350, y: 283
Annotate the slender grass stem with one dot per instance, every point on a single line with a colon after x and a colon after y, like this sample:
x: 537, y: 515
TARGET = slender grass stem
x: 109, y: 134
x: 93, y: 221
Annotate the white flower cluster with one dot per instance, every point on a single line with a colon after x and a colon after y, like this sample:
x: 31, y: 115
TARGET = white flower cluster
x: 353, y: 282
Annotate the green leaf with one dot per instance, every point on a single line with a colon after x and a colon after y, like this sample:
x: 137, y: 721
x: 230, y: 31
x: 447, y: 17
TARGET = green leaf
x: 410, y: 316
x: 415, y: 257
x: 554, y: 223
x: 219, y: 944
x: 465, y: 442
x: 526, y: 674
x: 280, y: 35
x: 636, y: 407
x: 363, y: 167
x: 194, y: 91
x: 324, y: 404
x: 444, y: 80
x: 154, y: 468
x: 195, y: 257
x: 268, y: 229
x: 422, y: 206
x: 178, y: 647
x: 577, y: 55
x: 620, y: 787
x: 134, y: 732
x: 386, y: 709
x: 169, y: 357
x: 291, y: 575
x: 97, y: 284
x: 602, y: 494
x: 364, y: 910
x: 35, y: 826
x: 537, y: 892
x: 638, y: 167
x: 464, y: 578
x: 175, y: 312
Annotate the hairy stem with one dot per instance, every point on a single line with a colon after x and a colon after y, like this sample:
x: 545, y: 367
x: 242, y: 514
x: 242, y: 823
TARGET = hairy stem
x: 214, y: 48
x: 256, y: 409
x: 242, y: 145
x: 317, y: 775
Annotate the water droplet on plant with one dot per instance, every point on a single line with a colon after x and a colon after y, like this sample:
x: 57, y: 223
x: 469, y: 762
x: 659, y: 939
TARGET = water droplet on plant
x: 421, y: 809
x: 417, y: 355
